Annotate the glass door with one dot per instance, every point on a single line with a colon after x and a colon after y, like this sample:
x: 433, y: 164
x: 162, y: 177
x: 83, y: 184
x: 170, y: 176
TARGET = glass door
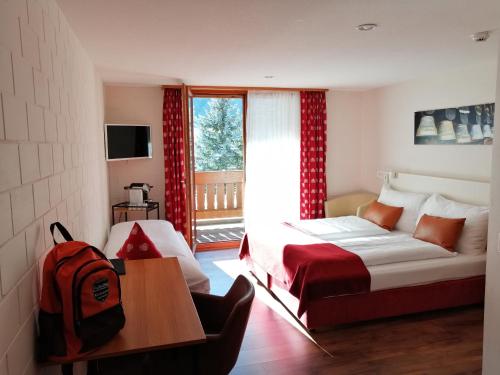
x: 218, y: 168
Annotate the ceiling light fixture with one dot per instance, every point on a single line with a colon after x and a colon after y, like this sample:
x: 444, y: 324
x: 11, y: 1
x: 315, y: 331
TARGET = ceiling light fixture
x: 268, y: 77
x: 481, y: 36
x: 366, y: 27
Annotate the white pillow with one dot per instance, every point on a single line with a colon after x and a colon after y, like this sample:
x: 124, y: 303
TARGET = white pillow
x: 411, y: 202
x: 474, y: 236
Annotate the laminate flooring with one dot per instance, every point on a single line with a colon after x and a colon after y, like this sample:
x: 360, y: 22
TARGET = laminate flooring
x: 439, y: 342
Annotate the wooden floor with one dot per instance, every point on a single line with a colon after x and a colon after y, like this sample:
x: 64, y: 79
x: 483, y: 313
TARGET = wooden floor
x: 444, y: 342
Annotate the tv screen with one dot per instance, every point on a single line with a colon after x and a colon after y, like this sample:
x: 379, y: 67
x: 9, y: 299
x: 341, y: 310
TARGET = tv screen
x: 128, y: 141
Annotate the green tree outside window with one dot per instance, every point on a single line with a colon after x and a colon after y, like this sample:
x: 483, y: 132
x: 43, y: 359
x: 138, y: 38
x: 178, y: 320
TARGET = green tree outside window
x: 219, y: 136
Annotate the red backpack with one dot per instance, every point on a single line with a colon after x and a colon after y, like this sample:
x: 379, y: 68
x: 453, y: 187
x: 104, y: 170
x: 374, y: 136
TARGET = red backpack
x: 80, y: 306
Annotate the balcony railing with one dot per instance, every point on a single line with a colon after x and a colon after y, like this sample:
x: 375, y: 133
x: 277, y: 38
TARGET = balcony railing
x: 218, y: 194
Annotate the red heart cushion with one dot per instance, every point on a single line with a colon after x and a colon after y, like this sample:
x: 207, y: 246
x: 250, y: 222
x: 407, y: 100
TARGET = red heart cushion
x: 138, y: 246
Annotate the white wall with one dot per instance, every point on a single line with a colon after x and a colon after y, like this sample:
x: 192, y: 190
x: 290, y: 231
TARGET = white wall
x: 144, y: 105
x: 137, y: 105
x: 343, y: 158
x: 388, y: 123
x: 491, y: 347
x: 51, y: 160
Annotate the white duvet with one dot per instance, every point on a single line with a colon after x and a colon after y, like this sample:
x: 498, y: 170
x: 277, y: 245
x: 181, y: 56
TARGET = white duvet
x: 374, y: 245
x: 168, y: 242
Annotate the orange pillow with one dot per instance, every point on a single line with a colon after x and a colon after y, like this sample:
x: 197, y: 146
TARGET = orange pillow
x: 439, y: 230
x: 138, y: 246
x: 383, y: 215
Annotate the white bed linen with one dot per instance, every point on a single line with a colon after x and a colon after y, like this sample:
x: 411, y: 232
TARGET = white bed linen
x: 392, y: 247
x: 397, y: 275
x: 168, y: 242
x: 334, y: 228
x: 371, y: 243
x: 393, y: 259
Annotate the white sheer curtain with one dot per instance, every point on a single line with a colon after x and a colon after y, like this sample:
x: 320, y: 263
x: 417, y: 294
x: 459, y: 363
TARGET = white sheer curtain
x: 272, y: 189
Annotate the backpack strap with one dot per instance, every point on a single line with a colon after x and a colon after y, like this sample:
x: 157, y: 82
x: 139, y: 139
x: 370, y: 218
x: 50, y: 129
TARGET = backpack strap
x: 62, y: 230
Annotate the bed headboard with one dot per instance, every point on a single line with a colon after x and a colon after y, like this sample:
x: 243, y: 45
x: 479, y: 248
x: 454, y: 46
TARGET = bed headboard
x: 467, y: 191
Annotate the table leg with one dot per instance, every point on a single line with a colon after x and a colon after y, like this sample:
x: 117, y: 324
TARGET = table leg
x: 196, y: 363
x: 113, y: 215
x: 158, y: 212
x: 147, y: 214
x: 92, y: 368
x: 126, y: 215
x: 67, y: 369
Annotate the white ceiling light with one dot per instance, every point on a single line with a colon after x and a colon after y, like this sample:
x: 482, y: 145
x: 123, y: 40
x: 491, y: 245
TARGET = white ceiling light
x: 268, y: 77
x: 481, y: 36
x: 366, y: 26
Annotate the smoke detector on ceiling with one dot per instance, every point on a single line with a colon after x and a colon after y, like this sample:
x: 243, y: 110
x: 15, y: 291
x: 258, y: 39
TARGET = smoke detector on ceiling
x: 481, y: 36
x: 366, y: 27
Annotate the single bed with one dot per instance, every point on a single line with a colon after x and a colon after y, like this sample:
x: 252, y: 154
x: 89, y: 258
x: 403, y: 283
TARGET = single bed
x: 168, y: 242
x: 407, y: 275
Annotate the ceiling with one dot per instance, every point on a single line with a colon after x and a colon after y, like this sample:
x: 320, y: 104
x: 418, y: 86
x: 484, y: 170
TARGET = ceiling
x: 302, y: 43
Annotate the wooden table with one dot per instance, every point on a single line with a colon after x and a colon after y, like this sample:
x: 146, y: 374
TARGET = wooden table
x: 159, y: 311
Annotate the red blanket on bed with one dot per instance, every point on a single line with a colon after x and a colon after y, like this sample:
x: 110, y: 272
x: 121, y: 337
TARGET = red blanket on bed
x: 319, y: 270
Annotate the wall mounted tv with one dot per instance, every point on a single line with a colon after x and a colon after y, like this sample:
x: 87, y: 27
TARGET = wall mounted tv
x: 125, y: 142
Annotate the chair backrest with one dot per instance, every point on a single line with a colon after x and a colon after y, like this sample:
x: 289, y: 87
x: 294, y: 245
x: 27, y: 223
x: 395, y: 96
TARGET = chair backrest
x: 225, y: 349
x: 347, y: 204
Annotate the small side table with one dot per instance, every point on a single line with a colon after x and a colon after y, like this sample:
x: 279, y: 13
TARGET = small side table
x: 126, y: 207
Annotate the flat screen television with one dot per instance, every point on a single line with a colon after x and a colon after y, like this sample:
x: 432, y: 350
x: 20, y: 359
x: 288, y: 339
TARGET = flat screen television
x: 125, y: 142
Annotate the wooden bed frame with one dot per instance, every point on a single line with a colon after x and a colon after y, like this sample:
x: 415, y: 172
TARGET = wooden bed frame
x: 329, y: 311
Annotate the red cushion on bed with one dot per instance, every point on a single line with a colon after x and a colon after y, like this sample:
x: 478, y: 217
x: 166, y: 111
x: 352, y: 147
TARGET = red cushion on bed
x: 138, y: 246
x: 441, y: 231
x: 383, y: 215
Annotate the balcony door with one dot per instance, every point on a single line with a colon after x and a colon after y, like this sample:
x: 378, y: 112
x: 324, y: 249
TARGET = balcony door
x: 218, y: 169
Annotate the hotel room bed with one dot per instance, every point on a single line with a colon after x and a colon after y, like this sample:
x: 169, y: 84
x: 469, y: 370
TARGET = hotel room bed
x: 406, y: 275
x: 168, y: 242
x: 396, y: 288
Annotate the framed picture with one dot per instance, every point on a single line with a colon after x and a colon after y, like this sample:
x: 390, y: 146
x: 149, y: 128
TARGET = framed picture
x: 466, y: 125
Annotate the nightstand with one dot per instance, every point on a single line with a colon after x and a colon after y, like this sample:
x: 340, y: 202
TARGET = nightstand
x: 126, y: 207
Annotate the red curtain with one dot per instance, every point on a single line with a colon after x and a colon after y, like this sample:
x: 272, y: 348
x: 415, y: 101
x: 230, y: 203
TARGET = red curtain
x: 312, y: 154
x: 173, y: 148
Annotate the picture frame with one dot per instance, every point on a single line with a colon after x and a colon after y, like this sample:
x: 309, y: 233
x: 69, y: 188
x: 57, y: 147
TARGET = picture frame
x: 463, y: 125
